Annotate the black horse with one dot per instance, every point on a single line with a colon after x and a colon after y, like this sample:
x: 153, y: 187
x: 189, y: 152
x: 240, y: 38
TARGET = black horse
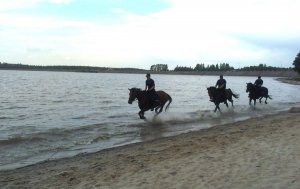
x: 257, y: 93
x: 144, y: 101
x: 216, y: 97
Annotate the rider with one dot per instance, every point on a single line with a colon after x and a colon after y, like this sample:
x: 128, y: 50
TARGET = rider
x: 258, y: 83
x: 221, y: 86
x: 150, y: 88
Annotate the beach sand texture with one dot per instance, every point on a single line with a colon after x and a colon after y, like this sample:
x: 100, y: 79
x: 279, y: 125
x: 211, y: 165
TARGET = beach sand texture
x: 261, y: 153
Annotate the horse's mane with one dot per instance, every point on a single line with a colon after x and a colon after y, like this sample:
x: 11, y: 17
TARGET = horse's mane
x: 136, y: 89
x: 212, y: 88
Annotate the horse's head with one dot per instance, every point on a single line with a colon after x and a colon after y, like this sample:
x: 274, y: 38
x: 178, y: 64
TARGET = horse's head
x: 249, y: 87
x: 133, y: 93
x: 211, y: 91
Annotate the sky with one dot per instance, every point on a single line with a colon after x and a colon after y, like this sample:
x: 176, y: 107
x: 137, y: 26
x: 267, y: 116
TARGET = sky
x: 141, y: 33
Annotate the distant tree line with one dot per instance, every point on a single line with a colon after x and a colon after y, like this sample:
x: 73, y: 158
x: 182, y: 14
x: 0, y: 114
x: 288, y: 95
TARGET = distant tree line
x: 9, y: 66
x: 202, y: 67
x: 296, y: 63
x: 183, y: 69
x: 222, y: 67
x: 159, y: 67
x: 263, y: 67
x: 213, y: 67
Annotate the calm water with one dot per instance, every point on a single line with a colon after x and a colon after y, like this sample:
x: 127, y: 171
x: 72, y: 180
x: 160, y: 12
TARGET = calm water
x: 48, y: 115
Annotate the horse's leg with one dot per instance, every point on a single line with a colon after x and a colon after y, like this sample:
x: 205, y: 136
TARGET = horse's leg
x: 260, y: 99
x: 231, y: 103
x: 250, y: 101
x: 141, y: 114
x: 266, y: 100
x: 217, y: 107
x: 226, y: 103
x: 161, y: 108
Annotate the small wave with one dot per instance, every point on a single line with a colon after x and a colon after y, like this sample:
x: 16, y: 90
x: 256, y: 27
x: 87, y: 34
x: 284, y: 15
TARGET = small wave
x: 57, y: 101
x: 15, y: 107
x: 101, y: 137
x: 19, y: 139
x: 80, y: 117
x: 3, y: 117
x: 107, y: 101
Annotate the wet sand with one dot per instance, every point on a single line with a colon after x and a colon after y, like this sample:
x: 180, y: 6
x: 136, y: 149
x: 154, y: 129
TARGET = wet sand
x: 257, y: 153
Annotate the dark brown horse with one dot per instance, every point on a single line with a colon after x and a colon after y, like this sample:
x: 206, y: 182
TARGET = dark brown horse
x: 216, y: 97
x: 257, y: 93
x: 144, y: 101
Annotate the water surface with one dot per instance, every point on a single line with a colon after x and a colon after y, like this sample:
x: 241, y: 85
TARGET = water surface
x: 47, y: 115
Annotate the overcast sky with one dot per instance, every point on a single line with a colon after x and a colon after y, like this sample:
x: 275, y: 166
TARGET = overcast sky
x: 140, y: 33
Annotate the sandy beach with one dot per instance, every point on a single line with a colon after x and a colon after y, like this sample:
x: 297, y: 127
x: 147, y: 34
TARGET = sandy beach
x: 262, y: 152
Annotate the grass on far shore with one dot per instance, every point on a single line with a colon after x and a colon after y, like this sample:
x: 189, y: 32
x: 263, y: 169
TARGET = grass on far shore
x: 297, y: 78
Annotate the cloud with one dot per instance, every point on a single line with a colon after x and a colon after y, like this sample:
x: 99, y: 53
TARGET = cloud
x: 7, y: 5
x: 60, y: 1
x: 187, y: 32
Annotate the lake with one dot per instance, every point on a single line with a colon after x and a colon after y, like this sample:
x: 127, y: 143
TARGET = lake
x: 49, y: 115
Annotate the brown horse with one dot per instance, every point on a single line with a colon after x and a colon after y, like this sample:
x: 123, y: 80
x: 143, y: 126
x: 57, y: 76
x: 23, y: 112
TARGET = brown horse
x: 216, y: 97
x: 144, y: 101
x: 257, y: 93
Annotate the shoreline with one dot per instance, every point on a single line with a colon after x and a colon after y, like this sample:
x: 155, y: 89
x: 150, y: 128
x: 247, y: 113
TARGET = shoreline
x: 289, y: 81
x: 259, y: 152
x: 284, y: 73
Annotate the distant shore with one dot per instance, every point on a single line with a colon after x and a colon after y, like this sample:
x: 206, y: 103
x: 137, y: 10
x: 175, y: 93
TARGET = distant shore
x: 289, y: 81
x: 283, y: 73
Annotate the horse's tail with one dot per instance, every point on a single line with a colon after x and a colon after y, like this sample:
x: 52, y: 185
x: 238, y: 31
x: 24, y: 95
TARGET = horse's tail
x: 233, y: 94
x: 170, y: 100
x: 269, y: 96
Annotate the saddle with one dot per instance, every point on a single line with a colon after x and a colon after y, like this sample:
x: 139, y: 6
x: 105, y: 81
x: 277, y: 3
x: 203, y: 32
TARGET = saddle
x: 153, y: 99
x: 258, y: 91
x: 221, y: 94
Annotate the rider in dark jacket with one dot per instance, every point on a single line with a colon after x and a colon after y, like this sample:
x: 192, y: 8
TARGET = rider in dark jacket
x: 221, y: 86
x: 258, y: 83
x: 150, y: 88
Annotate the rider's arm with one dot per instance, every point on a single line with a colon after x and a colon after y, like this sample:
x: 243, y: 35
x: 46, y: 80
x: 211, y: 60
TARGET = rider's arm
x: 151, y: 88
